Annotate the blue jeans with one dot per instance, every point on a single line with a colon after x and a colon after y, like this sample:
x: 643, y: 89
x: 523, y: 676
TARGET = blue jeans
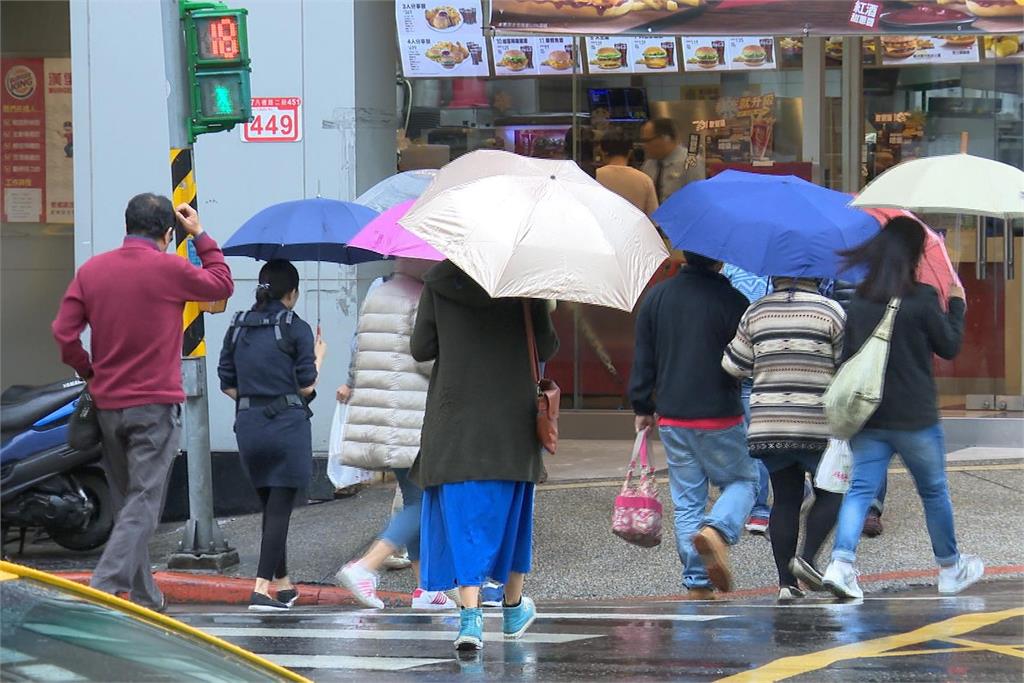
x: 696, y: 457
x: 924, y: 454
x: 878, y: 504
x: 403, y: 531
x: 761, y: 507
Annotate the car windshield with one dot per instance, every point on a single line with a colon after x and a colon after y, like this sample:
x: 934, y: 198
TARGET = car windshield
x: 49, y: 635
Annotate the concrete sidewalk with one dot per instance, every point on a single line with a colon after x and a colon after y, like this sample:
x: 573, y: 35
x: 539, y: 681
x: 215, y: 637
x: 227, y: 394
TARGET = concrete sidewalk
x: 576, y: 556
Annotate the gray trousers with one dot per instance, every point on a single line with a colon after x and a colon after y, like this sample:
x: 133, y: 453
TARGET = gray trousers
x: 139, y: 445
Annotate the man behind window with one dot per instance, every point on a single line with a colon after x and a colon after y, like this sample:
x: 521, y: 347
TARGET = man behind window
x: 668, y: 164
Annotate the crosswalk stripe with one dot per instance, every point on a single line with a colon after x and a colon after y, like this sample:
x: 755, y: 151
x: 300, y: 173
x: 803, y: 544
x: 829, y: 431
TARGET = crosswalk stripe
x: 496, y: 614
x: 350, y: 663
x: 370, y: 634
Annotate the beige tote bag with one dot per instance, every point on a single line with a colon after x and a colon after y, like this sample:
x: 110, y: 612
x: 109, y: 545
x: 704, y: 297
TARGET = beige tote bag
x: 856, y: 390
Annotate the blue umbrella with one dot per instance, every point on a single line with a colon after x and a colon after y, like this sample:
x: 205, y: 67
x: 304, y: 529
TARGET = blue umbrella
x: 303, y: 230
x: 768, y: 225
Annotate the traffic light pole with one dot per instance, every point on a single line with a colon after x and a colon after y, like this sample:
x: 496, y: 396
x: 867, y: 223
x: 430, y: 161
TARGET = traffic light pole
x: 203, y: 545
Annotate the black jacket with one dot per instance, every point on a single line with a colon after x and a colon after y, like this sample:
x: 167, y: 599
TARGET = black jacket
x: 480, y: 420
x: 682, y: 329
x: 921, y: 330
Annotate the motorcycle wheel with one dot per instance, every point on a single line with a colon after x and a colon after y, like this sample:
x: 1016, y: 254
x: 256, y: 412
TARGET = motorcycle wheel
x: 97, y: 529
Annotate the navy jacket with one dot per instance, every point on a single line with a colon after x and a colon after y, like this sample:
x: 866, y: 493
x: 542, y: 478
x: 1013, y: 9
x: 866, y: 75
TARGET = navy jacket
x: 682, y: 329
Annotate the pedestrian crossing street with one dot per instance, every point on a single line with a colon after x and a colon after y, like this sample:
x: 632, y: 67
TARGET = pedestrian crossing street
x: 348, y: 644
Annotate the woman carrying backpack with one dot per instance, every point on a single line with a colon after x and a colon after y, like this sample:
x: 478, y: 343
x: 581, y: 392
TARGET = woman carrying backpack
x: 907, y: 419
x: 269, y: 364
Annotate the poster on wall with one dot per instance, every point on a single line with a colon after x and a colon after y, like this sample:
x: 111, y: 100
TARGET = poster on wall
x: 947, y: 49
x: 654, y: 54
x: 631, y: 54
x: 441, y: 41
x: 60, y: 168
x: 757, y: 17
x: 736, y: 53
x: 608, y: 54
x: 516, y: 56
x: 23, y: 158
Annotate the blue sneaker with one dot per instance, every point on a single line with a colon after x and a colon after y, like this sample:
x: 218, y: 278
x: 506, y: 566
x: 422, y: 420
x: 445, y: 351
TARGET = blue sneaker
x: 471, y: 629
x: 491, y: 594
x: 519, y: 618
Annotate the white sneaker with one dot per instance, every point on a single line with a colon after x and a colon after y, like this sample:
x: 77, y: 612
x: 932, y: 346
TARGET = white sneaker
x: 841, y: 579
x: 790, y: 593
x: 967, y: 570
x: 362, y: 582
x: 397, y: 561
x: 431, y: 600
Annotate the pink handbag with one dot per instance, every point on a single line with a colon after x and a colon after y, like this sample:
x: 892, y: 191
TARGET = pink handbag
x: 637, y: 514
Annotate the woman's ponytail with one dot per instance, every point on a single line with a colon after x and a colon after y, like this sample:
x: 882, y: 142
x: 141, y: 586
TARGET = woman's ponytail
x: 278, y: 278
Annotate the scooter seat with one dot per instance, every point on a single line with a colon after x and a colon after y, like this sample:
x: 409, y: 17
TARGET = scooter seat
x: 23, y: 406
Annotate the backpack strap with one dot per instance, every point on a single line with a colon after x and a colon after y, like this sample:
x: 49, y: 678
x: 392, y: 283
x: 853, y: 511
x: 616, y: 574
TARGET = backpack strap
x: 284, y: 341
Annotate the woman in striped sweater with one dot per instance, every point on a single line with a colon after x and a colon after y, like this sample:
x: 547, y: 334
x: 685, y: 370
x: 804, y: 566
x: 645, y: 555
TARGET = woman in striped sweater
x: 791, y: 342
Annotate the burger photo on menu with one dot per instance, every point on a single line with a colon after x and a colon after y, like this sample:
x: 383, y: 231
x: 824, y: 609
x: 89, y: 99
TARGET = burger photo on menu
x: 958, y: 40
x: 513, y: 60
x: 706, y: 57
x: 608, y: 58
x: 559, y: 60
x: 751, y: 55
x: 654, y: 57
x: 596, y: 9
x: 443, y: 18
x: 996, y: 8
x: 899, y: 47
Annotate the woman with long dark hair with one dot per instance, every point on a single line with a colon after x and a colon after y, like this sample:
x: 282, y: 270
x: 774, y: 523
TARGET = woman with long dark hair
x: 907, y: 420
x: 269, y: 364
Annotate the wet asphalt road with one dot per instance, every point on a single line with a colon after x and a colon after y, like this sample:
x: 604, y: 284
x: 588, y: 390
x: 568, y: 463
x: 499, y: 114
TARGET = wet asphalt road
x: 909, y: 636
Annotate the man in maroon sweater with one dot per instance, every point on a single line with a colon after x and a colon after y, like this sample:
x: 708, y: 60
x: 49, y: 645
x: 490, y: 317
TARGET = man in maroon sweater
x: 132, y: 299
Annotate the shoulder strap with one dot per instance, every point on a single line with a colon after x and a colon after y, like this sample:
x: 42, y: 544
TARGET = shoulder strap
x: 286, y: 344
x: 531, y: 341
x: 235, y: 329
x: 884, y: 329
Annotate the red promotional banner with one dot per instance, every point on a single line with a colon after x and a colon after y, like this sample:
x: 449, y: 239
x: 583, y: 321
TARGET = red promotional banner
x: 758, y: 17
x: 23, y: 159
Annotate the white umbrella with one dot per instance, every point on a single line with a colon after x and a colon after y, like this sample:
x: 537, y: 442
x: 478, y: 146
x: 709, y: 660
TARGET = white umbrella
x: 954, y: 183
x: 539, y: 229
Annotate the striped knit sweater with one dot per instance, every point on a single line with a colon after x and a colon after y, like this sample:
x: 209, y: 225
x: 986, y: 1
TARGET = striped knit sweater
x: 791, y: 343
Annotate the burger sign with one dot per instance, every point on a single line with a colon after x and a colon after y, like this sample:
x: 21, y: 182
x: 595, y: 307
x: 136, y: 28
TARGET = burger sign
x: 20, y: 82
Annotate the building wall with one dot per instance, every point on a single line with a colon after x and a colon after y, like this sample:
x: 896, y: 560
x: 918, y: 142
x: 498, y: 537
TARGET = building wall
x: 304, y: 48
x: 37, y: 259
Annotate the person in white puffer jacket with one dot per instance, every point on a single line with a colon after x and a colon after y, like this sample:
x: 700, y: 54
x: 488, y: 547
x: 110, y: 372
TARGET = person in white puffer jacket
x: 385, y: 416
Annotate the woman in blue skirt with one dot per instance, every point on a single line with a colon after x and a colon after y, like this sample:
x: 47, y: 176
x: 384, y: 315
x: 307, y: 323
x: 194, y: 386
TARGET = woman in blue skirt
x: 479, y: 454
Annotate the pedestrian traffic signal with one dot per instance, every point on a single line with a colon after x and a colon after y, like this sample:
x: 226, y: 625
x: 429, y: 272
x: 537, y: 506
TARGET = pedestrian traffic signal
x: 217, y: 44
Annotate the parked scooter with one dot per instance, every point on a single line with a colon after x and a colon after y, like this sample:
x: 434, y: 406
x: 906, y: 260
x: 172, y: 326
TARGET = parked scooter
x: 43, y: 481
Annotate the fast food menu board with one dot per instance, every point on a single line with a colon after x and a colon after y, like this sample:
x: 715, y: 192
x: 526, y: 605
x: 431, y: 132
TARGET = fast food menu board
x: 556, y: 55
x: 721, y: 53
x: 632, y: 54
x: 442, y: 41
x: 757, y: 17
x: 516, y: 56
x: 1004, y: 47
x: 948, y: 49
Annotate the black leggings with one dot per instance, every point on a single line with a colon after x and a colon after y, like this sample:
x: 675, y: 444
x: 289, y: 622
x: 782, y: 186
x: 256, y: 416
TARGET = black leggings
x: 277, y: 512
x: 784, y: 527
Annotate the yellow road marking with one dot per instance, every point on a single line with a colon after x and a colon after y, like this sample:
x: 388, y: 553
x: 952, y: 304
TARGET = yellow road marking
x: 788, y: 667
x: 991, y: 647
x: 939, y: 651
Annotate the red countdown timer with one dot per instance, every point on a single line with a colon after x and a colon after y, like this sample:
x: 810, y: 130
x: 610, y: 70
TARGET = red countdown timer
x: 218, y: 38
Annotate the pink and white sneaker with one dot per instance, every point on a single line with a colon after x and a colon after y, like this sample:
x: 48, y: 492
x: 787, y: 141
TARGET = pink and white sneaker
x: 431, y: 600
x: 362, y: 582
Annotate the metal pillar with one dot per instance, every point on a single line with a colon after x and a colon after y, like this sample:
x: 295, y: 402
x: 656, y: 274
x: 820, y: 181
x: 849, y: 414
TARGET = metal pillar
x: 853, y: 113
x: 815, y: 136
x: 202, y: 545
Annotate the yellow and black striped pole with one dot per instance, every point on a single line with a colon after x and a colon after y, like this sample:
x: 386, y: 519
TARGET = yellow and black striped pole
x: 184, y: 180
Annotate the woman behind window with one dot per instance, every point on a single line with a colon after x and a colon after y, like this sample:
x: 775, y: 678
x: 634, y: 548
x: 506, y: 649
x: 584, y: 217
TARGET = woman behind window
x: 269, y: 364
x: 907, y: 420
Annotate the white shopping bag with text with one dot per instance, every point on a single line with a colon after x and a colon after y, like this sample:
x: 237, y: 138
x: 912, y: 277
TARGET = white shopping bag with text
x: 834, y: 469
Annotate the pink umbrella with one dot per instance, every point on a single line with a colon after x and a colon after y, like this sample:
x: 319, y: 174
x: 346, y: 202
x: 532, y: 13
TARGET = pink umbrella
x: 386, y: 237
x: 935, y: 268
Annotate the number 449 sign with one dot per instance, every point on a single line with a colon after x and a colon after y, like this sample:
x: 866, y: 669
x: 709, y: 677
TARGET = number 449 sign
x: 274, y: 119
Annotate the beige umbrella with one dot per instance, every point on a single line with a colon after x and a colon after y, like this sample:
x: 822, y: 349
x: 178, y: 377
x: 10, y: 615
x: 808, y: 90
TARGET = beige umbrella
x: 954, y: 183
x: 539, y: 229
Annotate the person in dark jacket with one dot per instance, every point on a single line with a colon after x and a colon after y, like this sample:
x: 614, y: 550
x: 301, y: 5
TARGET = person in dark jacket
x: 480, y: 457
x: 682, y: 330
x: 907, y: 419
x: 269, y: 364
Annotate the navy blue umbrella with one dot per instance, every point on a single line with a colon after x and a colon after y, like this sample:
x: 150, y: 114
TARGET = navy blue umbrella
x: 768, y: 225
x: 304, y: 230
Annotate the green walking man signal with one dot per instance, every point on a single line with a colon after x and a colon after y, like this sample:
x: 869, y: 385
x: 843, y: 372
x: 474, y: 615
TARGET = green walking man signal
x: 217, y: 45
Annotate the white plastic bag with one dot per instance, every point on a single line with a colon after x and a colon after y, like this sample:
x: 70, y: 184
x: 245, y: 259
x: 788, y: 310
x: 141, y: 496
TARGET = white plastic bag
x: 339, y: 474
x: 834, y: 469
